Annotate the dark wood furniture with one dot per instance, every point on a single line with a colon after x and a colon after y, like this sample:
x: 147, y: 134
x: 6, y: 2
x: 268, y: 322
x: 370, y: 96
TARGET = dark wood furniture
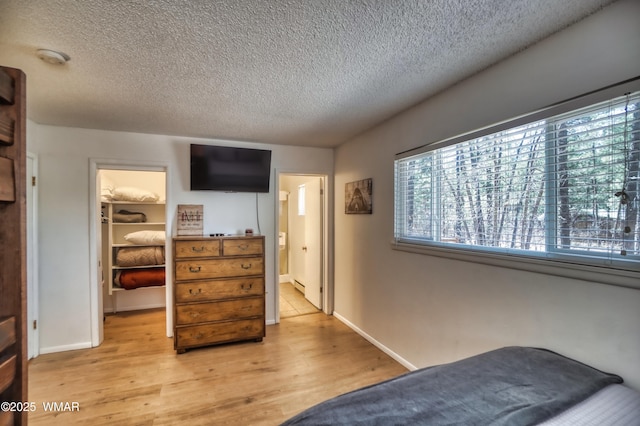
x: 219, y: 290
x: 13, y: 248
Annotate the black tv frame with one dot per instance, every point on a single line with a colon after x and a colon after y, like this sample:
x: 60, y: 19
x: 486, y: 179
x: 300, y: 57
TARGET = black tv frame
x: 229, y: 169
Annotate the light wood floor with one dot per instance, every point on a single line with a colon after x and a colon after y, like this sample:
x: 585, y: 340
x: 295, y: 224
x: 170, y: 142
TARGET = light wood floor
x: 293, y: 302
x: 135, y: 377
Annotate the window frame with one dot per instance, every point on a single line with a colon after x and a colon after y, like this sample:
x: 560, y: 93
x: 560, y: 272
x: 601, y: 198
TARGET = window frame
x: 563, y: 264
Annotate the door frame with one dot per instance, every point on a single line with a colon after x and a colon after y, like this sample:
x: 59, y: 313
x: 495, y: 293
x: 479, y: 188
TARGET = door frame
x: 327, y: 239
x: 33, y: 305
x: 95, y: 240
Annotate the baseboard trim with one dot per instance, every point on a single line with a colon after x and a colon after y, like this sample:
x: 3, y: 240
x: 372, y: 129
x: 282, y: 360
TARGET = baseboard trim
x: 135, y: 308
x: 285, y: 278
x: 64, y: 348
x: 374, y: 342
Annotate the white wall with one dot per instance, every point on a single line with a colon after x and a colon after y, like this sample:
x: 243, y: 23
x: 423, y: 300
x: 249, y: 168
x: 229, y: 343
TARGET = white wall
x: 64, y: 156
x: 428, y: 310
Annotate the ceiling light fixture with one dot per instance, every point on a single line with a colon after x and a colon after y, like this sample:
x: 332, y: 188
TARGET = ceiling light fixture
x: 53, y: 57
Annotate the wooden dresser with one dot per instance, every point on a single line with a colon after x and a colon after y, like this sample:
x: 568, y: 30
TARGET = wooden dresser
x: 219, y: 290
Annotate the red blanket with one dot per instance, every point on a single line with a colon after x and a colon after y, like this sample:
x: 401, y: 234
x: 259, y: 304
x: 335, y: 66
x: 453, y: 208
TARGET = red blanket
x: 130, y: 279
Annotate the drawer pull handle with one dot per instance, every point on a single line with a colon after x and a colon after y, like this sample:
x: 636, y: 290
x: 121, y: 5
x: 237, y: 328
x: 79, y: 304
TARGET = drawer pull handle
x: 194, y: 269
x: 195, y: 293
x: 243, y: 266
x: 198, y: 336
x: 197, y: 249
x: 195, y: 314
x: 243, y: 246
x: 247, y: 287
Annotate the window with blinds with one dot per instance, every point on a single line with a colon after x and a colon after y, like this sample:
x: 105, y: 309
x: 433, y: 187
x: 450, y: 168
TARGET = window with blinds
x: 562, y: 187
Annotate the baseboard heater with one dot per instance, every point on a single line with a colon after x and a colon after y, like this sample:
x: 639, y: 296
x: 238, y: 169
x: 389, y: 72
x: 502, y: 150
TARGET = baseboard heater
x: 298, y: 286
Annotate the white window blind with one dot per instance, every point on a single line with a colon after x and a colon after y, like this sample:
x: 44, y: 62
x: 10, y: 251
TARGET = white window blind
x: 563, y: 187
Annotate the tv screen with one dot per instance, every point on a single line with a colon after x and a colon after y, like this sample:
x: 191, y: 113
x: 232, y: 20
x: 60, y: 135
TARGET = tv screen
x: 223, y: 168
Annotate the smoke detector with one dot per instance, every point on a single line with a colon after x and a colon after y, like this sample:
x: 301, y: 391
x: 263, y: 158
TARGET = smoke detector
x: 53, y: 57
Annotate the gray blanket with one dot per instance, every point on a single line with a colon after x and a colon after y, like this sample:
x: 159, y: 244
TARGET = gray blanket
x: 508, y: 386
x: 125, y: 216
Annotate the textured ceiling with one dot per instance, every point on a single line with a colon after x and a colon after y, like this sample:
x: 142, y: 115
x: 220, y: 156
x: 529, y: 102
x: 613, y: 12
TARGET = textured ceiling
x: 299, y: 72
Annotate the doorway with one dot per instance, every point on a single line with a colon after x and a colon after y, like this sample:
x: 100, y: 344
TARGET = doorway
x: 140, y: 215
x: 301, y: 244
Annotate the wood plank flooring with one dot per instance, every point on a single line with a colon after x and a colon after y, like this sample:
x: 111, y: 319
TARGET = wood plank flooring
x: 293, y: 302
x: 135, y: 377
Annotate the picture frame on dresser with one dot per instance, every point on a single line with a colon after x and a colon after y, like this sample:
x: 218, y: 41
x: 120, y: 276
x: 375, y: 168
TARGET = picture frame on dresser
x: 190, y: 219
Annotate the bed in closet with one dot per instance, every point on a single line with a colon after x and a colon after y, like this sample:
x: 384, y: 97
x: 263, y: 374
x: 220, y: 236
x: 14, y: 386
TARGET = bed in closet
x: 508, y: 386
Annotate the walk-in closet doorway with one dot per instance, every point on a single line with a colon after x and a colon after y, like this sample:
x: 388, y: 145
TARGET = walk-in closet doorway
x: 128, y: 242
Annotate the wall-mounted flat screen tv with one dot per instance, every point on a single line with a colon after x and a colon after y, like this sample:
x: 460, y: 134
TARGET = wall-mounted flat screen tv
x: 223, y: 168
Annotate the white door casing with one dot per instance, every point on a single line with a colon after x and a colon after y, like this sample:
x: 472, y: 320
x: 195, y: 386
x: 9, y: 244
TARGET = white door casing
x: 33, y: 335
x: 96, y: 277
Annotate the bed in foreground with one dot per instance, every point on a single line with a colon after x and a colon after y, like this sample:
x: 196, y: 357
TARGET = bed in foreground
x: 508, y: 386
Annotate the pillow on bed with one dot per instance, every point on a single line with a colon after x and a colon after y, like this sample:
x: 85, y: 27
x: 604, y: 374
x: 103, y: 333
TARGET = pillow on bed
x: 146, y: 237
x: 128, y: 193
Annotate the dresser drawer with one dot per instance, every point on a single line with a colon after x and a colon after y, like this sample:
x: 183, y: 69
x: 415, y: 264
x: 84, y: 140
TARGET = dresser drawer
x: 242, y: 246
x: 197, y: 248
x: 198, y: 291
x: 206, y: 334
x: 194, y: 313
x: 218, y: 268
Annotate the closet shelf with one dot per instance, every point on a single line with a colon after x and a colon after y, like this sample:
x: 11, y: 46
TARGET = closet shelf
x: 122, y: 268
x: 136, y: 245
x: 142, y: 259
x: 146, y: 203
x: 138, y: 224
x: 116, y: 289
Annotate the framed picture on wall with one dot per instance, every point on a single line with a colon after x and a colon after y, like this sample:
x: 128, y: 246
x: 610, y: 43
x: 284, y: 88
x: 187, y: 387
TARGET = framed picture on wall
x: 358, y: 197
